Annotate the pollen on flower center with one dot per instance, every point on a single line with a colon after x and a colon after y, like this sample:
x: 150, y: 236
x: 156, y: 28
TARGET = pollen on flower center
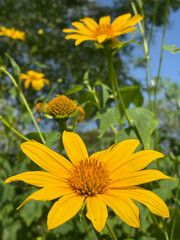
x: 61, y: 105
x: 89, y: 177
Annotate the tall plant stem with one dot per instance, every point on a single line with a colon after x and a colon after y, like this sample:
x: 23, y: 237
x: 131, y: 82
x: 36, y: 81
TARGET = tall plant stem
x: 107, y: 53
x: 25, y: 103
x: 13, y: 129
x: 113, y: 236
x: 159, y: 68
x: 146, y: 53
x: 62, y: 127
x: 175, y: 212
x: 86, y: 225
x: 114, y: 81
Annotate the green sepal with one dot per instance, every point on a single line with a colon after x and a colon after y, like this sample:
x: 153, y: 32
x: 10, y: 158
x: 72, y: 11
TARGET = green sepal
x: 75, y: 102
x: 61, y: 116
x: 48, y: 116
x: 73, y: 114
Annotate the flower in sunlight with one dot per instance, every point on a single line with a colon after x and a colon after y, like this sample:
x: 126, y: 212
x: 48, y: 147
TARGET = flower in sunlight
x: 106, y: 178
x: 105, y: 30
x: 12, y: 33
x: 36, y: 79
x: 60, y: 107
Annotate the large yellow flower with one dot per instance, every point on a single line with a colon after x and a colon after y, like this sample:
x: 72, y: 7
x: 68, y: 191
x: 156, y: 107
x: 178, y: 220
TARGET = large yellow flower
x: 105, y: 30
x: 106, y: 178
x: 35, y: 78
x: 12, y: 33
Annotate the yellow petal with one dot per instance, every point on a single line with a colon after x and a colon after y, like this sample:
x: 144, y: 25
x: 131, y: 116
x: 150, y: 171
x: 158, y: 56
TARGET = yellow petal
x: 101, y: 38
x: 155, y: 204
x: 137, y: 178
x: 96, y: 212
x: 119, y: 21
x: 46, y: 81
x: 83, y: 29
x: 37, y: 85
x: 137, y: 162
x: 74, y: 146
x: 128, y: 30
x: 48, y: 193
x: 104, y: 21
x: 121, y: 153
x: 64, y: 209
x: 135, y: 19
x: 68, y: 30
x: 36, y: 178
x: 23, y: 76
x: 82, y: 39
x: 90, y: 23
x: 47, y: 159
x: 123, y: 207
x: 26, y: 83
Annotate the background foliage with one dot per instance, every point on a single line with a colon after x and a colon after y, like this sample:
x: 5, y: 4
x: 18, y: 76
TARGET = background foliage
x: 79, y: 72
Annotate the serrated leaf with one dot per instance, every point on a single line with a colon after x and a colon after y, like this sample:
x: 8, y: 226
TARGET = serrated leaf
x: 132, y: 94
x: 145, y: 122
x: 107, y: 116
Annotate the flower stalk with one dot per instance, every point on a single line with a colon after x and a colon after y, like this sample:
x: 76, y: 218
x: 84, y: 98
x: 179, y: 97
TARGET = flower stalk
x: 25, y: 103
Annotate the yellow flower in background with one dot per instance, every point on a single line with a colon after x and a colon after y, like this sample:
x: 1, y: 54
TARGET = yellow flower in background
x: 103, y: 31
x: 60, y: 107
x: 36, y: 79
x: 12, y: 33
x: 106, y: 178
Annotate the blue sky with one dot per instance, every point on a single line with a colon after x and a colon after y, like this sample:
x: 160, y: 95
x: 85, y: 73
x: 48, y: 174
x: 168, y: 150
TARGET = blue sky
x: 171, y: 62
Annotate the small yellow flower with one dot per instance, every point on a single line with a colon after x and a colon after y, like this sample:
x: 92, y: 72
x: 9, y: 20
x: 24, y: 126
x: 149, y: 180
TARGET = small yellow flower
x: 103, y: 31
x: 12, y: 33
x: 60, y: 107
x: 106, y: 178
x: 35, y: 78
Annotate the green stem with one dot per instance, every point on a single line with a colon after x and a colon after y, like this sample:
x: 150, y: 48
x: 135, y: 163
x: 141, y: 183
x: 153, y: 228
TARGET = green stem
x: 111, y: 77
x: 153, y: 22
x: 159, y: 69
x: 32, y: 117
x: 62, y: 127
x: 13, y: 130
x: 175, y: 211
x: 116, y: 85
x: 111, y: 231
x: 86, y: 225
x: 146, y: 53
x: 25, y: 103
x: 98, y: 235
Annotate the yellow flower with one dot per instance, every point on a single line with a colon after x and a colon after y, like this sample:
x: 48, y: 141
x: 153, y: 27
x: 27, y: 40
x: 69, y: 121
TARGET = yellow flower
x: 106, y: 178
x: 12, y: 33
x: 105, y: 30
x: 35, y: 78
x: 60, y: 107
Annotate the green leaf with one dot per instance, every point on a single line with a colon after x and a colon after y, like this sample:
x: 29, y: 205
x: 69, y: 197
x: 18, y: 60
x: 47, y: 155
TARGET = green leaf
x: 145, y: 122
x: 171, y: 48
x: 41, y: 65
x: 166, y: 187
x: 105, y: 91
x: 124, y: 134
x: 16, y: 68
x: 86, y: 78
x: 74, y: 89
x: 132, y: 94
x: 31, y: 211
x: 52, y: 138
x: 107, y: 116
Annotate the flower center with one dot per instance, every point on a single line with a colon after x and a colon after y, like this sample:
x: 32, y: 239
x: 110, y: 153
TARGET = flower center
x: 61, y: 105
x: 89, y: 177
x: 103, y: 30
